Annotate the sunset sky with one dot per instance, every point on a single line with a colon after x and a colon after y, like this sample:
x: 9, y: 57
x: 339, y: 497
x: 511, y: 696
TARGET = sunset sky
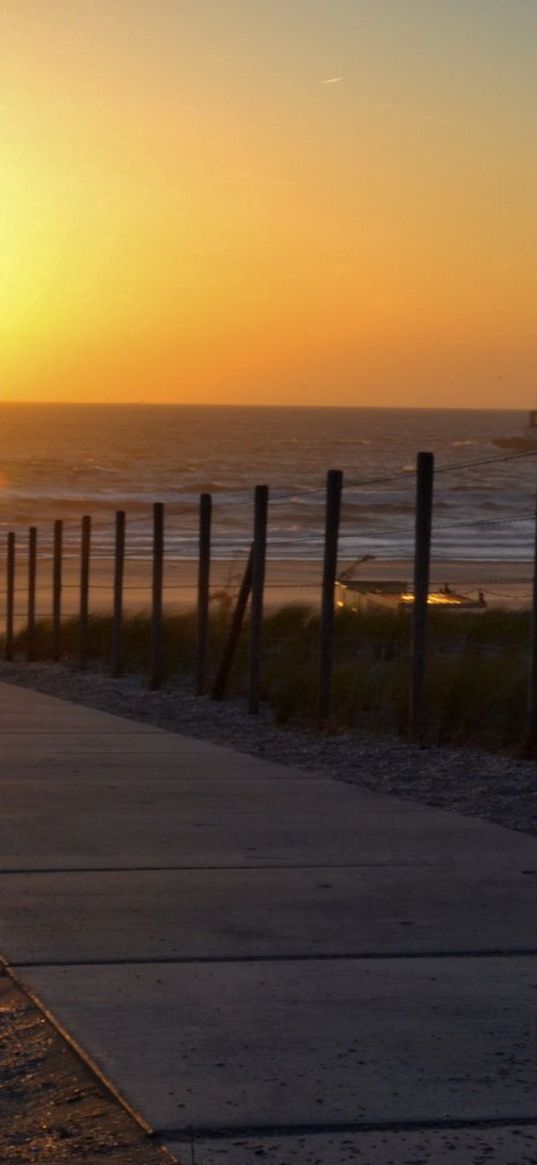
x: 269, y: 201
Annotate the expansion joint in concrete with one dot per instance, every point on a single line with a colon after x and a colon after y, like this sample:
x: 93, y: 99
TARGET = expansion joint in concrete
x: 343, y: 956
x: 226, y: 1132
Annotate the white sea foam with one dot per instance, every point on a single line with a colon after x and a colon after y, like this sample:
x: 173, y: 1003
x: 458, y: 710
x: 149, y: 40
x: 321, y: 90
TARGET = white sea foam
x: 64, y: 461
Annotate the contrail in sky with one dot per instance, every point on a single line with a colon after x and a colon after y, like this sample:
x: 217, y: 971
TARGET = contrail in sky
x: 333, y: 80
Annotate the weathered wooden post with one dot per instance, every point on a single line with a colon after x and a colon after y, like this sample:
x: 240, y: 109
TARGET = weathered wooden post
x: 204, y: 568
x: 258, y: 587
x: 220, y: 681
x: 422, y: 559
x: 57, y: 591
x: 83, y: 617
x: 334, y: 486
x: 32, y: 575
x: 531, y: 743
x: 119, y: 570
x: 10, y: 594
x: 155, y: 674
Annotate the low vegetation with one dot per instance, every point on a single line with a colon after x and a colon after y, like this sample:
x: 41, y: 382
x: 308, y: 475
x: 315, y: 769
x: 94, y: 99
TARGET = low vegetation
x: 477, y: 673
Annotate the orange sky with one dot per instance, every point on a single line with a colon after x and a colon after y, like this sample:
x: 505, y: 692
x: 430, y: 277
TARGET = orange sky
x: 247, y: 201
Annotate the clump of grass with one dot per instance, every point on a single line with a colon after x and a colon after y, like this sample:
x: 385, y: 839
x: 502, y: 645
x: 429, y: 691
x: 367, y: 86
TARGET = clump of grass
x: 477, y: 671
x: 179, y: 641
x: 480, y: 700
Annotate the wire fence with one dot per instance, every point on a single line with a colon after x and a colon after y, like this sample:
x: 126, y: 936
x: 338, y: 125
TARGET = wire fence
x: 160, y: 573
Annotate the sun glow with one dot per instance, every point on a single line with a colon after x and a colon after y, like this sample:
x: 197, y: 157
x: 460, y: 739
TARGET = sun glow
x: 189, y: 212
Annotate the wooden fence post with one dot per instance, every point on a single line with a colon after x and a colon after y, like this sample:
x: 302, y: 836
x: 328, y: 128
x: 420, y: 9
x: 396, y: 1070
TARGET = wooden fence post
x: 32, y: 575
x: 334, y: 486
x: 224, y: 668
x: 422, y: 558
x: 256, y: 603
x: 83, y: 617
x: 531, y: 744
x: 155, y: 674
x: 119, y: 570
x: 204, y: 567
x: 10, y: 594
x: 57, y: 592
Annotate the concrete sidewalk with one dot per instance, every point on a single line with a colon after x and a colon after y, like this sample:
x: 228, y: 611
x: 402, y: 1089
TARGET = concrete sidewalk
x: 293, y: 968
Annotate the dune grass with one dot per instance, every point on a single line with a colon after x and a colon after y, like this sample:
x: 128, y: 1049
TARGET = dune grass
x: 477, y: 667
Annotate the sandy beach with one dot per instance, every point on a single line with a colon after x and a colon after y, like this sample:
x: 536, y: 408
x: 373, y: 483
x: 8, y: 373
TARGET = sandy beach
x: 504, y: 584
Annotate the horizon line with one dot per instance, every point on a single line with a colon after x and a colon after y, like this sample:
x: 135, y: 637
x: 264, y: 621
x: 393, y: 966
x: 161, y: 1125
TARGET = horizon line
x: 287, y: 407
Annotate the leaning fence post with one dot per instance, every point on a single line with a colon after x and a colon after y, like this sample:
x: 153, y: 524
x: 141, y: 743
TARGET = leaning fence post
x: 256, y: 602
x: 204, y: 567
x: 334, y: 486
x: 422, y: 558
x: 155, y: 674
x: 10, y: 594
x: 224, y: 668
x: 532, y: 679
x: 32, y: 574
x: 119, y: 568
x: 57, y: 591
x: 83, y: 617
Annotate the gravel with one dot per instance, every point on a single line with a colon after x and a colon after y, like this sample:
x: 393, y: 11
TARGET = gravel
x: 496, y: 788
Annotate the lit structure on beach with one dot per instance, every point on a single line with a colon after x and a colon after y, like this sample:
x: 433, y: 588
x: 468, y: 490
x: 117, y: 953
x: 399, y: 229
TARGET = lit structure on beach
x: 395, y: 595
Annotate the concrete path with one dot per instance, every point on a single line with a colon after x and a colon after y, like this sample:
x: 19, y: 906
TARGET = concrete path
x: 269, y: 964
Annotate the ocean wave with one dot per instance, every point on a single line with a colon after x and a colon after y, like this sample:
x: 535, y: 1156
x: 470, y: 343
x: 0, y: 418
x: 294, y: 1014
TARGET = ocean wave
x: 95, y: 461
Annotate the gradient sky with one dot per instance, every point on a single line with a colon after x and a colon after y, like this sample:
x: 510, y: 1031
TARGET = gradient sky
x: 269, y: 201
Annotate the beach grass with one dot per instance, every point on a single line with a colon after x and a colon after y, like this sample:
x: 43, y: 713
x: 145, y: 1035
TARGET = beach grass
x: 477, y: 667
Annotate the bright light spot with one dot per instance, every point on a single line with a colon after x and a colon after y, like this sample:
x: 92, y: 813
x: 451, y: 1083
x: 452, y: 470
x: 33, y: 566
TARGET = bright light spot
x: 436, y: 600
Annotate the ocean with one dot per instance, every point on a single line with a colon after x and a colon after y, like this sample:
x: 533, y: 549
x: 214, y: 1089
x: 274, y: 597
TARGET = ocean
x: 61, y: 461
